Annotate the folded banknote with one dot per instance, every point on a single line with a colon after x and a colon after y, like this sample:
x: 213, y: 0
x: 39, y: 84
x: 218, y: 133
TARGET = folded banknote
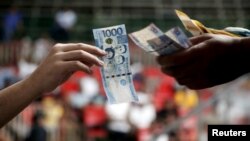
x: 197, y: 28
x: 153, y: 40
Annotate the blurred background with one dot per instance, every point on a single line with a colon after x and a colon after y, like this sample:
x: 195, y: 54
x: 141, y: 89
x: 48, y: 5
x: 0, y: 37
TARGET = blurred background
x: 78, y: 109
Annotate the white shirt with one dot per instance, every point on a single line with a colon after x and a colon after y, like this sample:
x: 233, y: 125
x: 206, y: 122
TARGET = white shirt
x: 66, y: 19
x: 142, y: 116
x: 118, y: 114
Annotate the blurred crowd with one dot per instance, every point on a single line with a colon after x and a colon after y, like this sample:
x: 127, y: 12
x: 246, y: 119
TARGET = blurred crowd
x: 78, y: 109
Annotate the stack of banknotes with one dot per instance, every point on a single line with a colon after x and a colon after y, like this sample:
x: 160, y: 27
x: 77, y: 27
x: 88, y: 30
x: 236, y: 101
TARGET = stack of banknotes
x: 153, y: 40
x: 197, y: 28
x: 116, y: 72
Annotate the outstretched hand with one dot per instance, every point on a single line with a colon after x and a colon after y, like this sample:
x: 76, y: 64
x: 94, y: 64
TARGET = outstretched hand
x: 62, y: 61
x: 58, y: 66
x: 212, y: 60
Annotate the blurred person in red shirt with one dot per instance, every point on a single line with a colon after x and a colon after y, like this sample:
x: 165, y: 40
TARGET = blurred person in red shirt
x: 62, y: 61
x: 95, y: 119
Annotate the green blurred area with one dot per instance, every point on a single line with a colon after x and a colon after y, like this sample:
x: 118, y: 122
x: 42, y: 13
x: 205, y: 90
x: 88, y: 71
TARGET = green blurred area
x: 135, y: 14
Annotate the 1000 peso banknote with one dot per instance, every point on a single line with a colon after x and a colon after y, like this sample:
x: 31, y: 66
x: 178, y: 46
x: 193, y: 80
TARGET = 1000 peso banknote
x: 116, y: 73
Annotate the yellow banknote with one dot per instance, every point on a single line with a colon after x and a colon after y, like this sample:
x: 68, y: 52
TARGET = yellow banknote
x: 197, y: 28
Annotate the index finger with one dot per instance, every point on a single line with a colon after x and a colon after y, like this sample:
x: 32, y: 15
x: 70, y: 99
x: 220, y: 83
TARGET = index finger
x: 180, y: 58
x: 81, y: 46
x: 198, y: 39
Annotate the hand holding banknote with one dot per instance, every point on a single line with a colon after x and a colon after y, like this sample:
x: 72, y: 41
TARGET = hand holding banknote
x: 62, y: 61
x: 211, y: 60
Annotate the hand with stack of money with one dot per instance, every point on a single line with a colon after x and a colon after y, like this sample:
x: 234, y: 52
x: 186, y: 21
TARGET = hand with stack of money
x: 215, y: 56
x: 210, y: 58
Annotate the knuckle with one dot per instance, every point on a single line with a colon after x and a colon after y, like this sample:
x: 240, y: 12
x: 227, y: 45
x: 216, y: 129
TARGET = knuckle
x: 57, y: 56
x: 82, y: 53
x: 96, y: 59
x: 77, y: 63
x: 56, y: 47
x: 95, y: 49
x: 79, y: 44
x: 57, y: 44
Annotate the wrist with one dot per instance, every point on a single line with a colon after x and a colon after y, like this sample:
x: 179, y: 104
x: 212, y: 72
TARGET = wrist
x: 32, y: 83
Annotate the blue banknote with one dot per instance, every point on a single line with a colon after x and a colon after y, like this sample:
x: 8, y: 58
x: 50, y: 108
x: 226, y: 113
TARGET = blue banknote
x: 163, y: 45
x: 153, y: 40
x: 179, y: 37
x: 171, y: 42
x: 116, y: 72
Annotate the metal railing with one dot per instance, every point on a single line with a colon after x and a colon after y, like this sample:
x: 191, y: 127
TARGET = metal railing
x: 10, y: 53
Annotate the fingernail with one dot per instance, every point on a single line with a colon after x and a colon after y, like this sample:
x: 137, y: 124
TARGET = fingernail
x: 101, y: 63
x: 104, y: 52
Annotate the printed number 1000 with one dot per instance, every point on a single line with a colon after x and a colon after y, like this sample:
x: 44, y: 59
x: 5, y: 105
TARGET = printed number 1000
x: 112, y: 32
